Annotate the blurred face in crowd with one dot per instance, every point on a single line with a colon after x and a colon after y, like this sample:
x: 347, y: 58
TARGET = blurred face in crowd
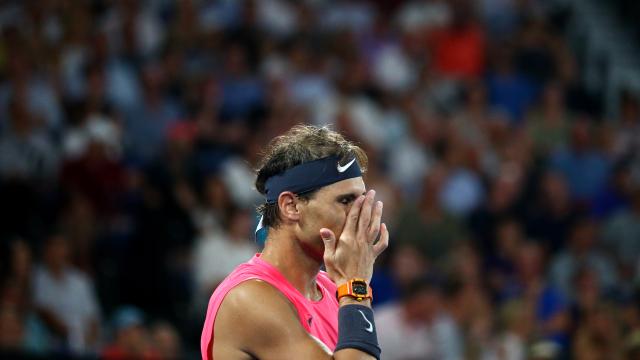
x: 583, y: 236
x: 505, y: 189
x: 509, y: 238
x: 216, y: 193
x: 19, y: 116
x: 518, y: 317
x: 424, y: 305
x: 407, y: 264
x: 166, y: 341
x: 477, y: 96
x: 553, y: 97
x: 133, y: 338
x: 21, y: 259
x: 587, y: 287
x: 581, y: 135
x: 236, y: 61
x: 554, y: 190
x: 530, y: 261
x: 11, y: 328
x: 630, y: 110
x: 57, y: 253
x: 240, y: 226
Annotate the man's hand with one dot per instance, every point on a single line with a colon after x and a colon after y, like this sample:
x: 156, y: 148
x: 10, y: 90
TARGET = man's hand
x: 355, y: 252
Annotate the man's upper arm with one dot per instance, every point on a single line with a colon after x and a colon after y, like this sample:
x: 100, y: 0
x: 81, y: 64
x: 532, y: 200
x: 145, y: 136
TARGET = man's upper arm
x: 256, y: 320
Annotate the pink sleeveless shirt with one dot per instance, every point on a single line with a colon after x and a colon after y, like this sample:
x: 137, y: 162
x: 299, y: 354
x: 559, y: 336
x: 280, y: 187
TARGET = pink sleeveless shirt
x: 319, y: 318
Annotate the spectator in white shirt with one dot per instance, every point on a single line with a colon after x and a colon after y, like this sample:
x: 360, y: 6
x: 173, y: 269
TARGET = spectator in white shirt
x: 65, y: 299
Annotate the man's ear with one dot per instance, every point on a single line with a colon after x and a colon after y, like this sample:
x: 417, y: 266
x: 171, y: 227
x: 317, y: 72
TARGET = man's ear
x: 288, y: 206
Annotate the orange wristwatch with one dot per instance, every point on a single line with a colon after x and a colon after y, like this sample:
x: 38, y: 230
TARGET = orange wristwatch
x: 355, y: 288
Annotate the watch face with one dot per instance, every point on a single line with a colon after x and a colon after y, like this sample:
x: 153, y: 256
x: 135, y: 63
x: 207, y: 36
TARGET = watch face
x: 359, y: 288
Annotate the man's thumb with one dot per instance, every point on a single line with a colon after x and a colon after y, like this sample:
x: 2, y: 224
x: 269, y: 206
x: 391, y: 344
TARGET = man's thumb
x: 329, y: 241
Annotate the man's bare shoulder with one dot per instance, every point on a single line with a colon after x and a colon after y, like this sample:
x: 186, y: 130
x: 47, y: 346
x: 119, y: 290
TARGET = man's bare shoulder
x: 253, y: 314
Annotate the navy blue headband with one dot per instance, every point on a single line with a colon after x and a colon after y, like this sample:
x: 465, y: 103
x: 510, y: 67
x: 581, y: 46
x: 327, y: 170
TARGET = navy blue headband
x: 310, y: 176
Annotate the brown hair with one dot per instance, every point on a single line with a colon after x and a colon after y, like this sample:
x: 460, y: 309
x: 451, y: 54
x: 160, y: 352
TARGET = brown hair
x: 301, y: 144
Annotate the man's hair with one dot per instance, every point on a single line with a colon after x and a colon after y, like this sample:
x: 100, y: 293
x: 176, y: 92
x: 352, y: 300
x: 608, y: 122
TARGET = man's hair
x: 301, y: 144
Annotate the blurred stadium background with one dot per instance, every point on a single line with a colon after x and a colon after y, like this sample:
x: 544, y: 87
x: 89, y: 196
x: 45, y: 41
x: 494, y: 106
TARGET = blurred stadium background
x: 504, y: 138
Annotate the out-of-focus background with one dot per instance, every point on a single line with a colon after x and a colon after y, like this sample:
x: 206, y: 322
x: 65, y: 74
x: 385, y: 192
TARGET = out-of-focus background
x: 503, y: 135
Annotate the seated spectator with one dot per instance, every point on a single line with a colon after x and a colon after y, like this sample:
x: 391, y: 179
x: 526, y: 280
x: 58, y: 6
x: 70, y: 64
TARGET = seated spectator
x: 412, y: 328
x: 65, y: 299
x: 517, y: 326
x: 166, y: 340
x: 131, y: 337
x: 615, y: 196
x: 428, y: 227
x: 501, y: 264
x: 599, y: 336
x: 621, y: 234
x: 529, y: 284
x: 26, y: 152
x: 21, y: 330
x: 582, y: 251
x: 97, y: 173
x: 548, y: 125
x: 584, y: 165
x: 550, y: 217
x: 510, y: 92
x: 11, y: 330
x: 147, y: 123
x: 218, y: 253
x: 459, y: 49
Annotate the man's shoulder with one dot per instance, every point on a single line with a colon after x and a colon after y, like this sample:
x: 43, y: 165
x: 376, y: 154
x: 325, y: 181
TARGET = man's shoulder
x: 256, y: 305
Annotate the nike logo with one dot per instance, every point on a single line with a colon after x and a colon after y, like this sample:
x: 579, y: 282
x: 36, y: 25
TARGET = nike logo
x: 370, y: 327
x: 344, y: 168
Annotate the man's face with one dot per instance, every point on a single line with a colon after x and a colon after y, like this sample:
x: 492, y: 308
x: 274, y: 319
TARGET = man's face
x: 328, y: 208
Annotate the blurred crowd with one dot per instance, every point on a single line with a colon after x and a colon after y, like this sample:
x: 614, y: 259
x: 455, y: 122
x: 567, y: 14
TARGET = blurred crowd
x: 129, y: 131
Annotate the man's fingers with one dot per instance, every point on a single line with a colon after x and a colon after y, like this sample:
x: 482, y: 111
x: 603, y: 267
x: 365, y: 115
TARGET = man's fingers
x: 383, y: 243
x: 365, y: 214
x: 352, y: 217
x: 374, y: 228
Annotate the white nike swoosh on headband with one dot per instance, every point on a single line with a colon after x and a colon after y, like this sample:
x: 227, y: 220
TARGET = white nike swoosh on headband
x: 370, y: 327
x: 342, y: 169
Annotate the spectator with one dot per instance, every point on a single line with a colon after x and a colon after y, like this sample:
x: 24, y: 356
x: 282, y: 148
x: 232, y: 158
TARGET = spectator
x: 65, y: 299
x: 599, y: 337
x: 166, y: 340
x: 408, y: 329
x: 501, y: 264
x: 621, y: 233
x: 585, y: 167
x: 615, y: 196
x: 581, y: 251
x: 510, y: 92
x: 147, y: 123
x: 21, y: 330
x: 549, y: 220
x: 549, y: 123
x: 26, y: 152
x: 550, y: 305
x: 502, y: 201
x: 459, y: 49
x: 131, y: 338
x: 443, y: 229
x: 517, y: 320
x: 216, y: 254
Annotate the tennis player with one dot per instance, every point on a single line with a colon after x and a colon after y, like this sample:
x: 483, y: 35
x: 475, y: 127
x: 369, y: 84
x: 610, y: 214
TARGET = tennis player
x: 280, y: 305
